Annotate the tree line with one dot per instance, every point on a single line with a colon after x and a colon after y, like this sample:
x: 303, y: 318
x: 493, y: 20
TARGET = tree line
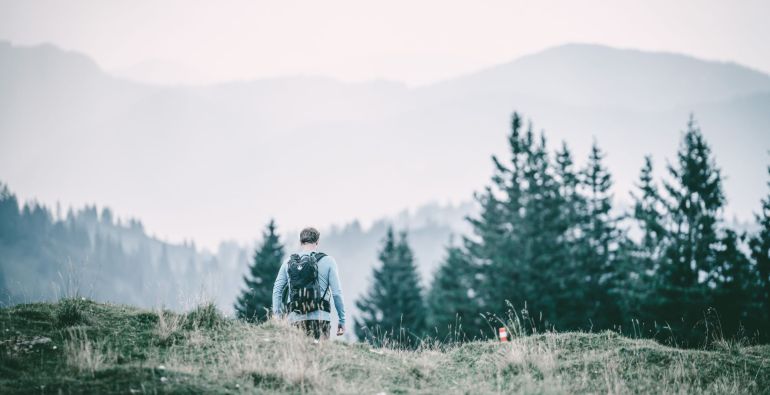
x: 549, y: 251
x: 45, y: 255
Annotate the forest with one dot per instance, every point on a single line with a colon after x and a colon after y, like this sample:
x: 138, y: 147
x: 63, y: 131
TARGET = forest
x: 47, y: 255
x: 549, y: 252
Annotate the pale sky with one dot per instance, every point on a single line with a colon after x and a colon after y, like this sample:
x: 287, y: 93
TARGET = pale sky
x: 416, y: 42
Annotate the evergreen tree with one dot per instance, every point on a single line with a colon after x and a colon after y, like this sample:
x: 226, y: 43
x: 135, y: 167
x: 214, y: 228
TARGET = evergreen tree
x: 393, y: 310
x: 497, y: 230
x: 694, y: 204
x: 569, y: 183
x: 649, y: 216
x: 520, y: 246
x: 643, y: 257
x: 598, y: 244
x: 10, y: 218
x: 254, y: 303
x: 760, y: 253
x: 165, y: 276
x: 452, y: 303
x: 571, y: 296
x: 737, y: 285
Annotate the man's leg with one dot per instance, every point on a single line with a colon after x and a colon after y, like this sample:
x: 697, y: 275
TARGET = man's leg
x: 324, y: 327
x: 318, y: 329
x: 315, y: 328
x: 305, y: 326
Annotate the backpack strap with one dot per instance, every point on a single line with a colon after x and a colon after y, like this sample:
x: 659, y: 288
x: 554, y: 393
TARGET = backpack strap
x: 318, y: 256
x: 293, y: 258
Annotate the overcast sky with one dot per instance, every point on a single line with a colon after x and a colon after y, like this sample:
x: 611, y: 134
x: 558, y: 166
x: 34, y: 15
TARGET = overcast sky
x: 416, y: 42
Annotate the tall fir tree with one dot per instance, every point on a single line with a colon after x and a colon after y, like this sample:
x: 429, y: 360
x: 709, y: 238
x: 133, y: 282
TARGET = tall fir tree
x: 571, y: 299
x: 569, y: 183
x: 736, y: 288
x: 254, y: 303
x: 598, y: 244
x: 644, y: 255
x: 393, y: 310
x: 452, y: 302
x: 649, y: 216
x: 760, y: 254
x: 545, y: 253
x: 520, y: 245
x: 694, y: 204
x: 493, y: 247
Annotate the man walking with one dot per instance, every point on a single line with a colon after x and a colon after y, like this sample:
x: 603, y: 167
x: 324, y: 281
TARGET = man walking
x: 312, y: 279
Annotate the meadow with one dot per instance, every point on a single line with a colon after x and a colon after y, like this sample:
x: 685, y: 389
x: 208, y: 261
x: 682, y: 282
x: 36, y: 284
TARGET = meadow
x: 80, y: 346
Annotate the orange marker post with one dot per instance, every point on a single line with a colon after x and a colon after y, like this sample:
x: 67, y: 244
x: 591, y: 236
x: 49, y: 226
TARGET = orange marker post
x: 503, y: 334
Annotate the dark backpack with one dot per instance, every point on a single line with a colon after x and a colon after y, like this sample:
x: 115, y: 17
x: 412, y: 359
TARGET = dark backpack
x: 304, y: 289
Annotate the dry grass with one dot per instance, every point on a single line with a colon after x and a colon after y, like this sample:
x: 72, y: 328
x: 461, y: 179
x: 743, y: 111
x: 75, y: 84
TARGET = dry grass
x: 210, y: 354
x: 169, y: 327
x: 84, y: 355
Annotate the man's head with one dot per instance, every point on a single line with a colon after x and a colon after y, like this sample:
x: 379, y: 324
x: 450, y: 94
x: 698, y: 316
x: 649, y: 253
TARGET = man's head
x: 309, y: 236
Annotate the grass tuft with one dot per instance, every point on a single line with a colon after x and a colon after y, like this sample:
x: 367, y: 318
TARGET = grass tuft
x: 204, y: 316
x: 168, y: 330
x: 84, y: 355
x: 72, y: 312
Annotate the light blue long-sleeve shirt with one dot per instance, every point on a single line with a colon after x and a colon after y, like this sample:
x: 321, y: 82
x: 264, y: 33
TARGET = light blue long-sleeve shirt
x: 328, y: 279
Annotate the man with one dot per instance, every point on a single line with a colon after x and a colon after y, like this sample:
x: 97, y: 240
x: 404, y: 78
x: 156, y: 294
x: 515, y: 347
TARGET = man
x: 310, y: 275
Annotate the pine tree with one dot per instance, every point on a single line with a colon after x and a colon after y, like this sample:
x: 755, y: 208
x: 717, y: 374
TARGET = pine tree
x: 452, y: 300
x: 760, y: 253
x: 694, y: 204
x: 571, y: 294
x: 599, y: 243
x: 736, y: 287
x: 643, y: 257
x: 164, y: 276
x: 525, y: 232
x: 502, y: 271
x: 569, y: 181
x: 254, y: 303
x: 393, y: 310
x: 649, y: 216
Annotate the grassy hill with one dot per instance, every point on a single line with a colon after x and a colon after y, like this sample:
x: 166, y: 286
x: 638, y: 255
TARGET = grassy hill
x: 77, y: 346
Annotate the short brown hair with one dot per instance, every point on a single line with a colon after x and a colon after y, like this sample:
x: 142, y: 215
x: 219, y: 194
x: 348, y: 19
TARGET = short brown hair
x: 309, y: 236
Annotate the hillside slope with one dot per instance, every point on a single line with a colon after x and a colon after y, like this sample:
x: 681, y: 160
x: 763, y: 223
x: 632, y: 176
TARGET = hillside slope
x: 80, y: 346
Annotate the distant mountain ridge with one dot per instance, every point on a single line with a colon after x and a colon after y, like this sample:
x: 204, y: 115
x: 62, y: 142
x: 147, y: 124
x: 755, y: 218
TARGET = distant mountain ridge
x: 588, y: 75
x: 70, y: 131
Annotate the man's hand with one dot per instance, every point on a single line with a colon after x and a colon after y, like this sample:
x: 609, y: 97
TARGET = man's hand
x: 340, y: 330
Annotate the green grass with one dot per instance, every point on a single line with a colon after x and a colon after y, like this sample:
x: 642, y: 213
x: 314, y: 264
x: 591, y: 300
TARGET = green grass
x: 78, y: 346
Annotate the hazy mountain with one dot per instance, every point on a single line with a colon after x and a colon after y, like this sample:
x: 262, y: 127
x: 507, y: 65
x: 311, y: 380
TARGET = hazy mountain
x: 70, y: 124
x: 583, y: 75
x: 70, y: 131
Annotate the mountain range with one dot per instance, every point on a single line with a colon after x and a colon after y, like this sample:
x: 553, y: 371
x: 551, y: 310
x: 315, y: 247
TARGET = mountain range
x: 215, y: 162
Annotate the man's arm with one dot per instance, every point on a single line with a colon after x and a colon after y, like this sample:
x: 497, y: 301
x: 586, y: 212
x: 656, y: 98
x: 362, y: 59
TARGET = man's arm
x: 278, y: 286
x: 336, y: 288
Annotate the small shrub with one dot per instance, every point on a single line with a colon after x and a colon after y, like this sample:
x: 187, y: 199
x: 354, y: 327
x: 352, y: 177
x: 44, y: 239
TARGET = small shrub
x: 267, y: 380
x: 168, y: 330
x: 205, y: 316
x: 71, y: 312
x: 148, y: 317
